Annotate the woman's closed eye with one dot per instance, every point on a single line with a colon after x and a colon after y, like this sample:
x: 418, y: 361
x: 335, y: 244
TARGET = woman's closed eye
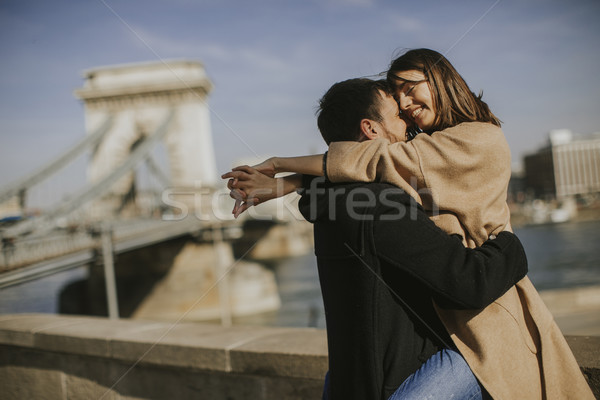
x: 413, y: 84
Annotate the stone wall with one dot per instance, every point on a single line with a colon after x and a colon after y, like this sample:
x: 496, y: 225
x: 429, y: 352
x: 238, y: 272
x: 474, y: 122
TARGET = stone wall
x: 56, y: 357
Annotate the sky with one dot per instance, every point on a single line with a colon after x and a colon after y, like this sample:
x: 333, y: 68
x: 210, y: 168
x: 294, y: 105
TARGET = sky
x: 271, y: 60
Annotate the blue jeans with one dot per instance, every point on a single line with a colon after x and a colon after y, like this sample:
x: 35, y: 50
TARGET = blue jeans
x: 445, y: 375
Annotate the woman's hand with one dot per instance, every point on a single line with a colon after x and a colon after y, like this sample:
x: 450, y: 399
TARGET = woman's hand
x: 267, y: 167
x: 253, y: 184
x: 251, y: 187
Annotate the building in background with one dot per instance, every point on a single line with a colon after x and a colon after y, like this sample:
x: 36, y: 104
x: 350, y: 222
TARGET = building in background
x: 566, y: 167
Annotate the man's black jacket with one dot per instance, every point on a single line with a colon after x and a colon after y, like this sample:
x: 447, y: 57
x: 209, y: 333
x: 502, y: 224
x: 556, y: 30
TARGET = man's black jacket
x: 381, y: 262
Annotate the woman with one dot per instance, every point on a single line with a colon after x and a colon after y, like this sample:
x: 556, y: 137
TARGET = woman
x: 459, y: 170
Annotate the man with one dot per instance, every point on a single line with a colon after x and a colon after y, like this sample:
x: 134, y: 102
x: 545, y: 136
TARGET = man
x: 381, y: 263
x: 353, y: 110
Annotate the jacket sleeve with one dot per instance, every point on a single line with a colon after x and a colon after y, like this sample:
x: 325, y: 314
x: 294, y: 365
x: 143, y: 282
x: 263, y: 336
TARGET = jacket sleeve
x: 458, y: 277
x: 374, y: 160
x: 464, y: 170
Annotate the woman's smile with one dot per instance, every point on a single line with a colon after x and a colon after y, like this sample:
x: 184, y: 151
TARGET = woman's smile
x: 416, y: 113
x: 415, y: 98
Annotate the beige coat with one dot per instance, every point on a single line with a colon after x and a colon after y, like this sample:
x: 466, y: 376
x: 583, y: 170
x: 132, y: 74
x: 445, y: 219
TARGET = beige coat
x: 460, y: 175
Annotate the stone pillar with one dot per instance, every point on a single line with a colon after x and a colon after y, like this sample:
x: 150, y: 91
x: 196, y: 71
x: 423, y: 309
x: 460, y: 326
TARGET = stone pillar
x: 139, y: 96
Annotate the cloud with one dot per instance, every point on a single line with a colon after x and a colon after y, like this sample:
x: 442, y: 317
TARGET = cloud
x: 252, y: 57
x: 261, y: 60
x: 405, y: 23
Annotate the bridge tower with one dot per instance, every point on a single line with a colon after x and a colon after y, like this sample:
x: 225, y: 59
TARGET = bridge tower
x: 139, y: 98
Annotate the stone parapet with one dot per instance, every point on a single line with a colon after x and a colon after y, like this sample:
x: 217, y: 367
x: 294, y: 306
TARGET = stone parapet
x: 57, y: 357
x: 53, y: 356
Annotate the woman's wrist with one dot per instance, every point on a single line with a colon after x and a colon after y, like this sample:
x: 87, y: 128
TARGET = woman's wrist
x: 276, y: 161
x: 292, y: 183
x: 309, y: 165
x: 286, y: 184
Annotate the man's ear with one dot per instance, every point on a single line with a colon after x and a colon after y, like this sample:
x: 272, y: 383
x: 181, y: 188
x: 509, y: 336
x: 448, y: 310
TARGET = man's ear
x: 369, y: 129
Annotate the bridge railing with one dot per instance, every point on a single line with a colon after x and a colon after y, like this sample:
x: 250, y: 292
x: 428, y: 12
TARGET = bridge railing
x: 31, y: 257
x: 21, y: 251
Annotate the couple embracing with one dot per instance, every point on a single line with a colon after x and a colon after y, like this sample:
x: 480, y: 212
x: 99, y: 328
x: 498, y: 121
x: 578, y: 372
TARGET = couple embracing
x: 424, y: 287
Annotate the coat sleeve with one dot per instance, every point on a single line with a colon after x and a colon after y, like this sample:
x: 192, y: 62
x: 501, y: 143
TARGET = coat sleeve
x: 463, y: 170
x: 374, y: 160
x: 457, y: 276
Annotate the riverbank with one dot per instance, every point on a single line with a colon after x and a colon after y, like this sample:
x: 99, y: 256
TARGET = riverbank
x: 521, y: 217
x: 575, y: 310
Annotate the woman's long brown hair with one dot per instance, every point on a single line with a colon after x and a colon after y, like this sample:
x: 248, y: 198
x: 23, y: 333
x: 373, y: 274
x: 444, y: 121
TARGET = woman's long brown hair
x: 454, y: 102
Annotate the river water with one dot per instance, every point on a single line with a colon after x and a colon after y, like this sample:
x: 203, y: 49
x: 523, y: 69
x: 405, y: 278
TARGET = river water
x: 560, y: 256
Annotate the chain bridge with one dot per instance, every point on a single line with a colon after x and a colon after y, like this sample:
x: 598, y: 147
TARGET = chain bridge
x: 129, y: 109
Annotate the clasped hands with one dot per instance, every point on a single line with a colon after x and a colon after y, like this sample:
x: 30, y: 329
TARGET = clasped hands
x: 254, y: 185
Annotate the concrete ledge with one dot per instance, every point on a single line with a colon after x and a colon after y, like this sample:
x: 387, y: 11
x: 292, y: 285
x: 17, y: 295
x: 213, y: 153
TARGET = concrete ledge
x: 53, y: 356
x: 586, y: 350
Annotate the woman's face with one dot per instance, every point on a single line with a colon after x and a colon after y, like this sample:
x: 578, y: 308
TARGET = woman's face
x: 414, y: 97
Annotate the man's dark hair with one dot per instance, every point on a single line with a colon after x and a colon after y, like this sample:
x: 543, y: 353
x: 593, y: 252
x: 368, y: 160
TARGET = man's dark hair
x: 345, y: 104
